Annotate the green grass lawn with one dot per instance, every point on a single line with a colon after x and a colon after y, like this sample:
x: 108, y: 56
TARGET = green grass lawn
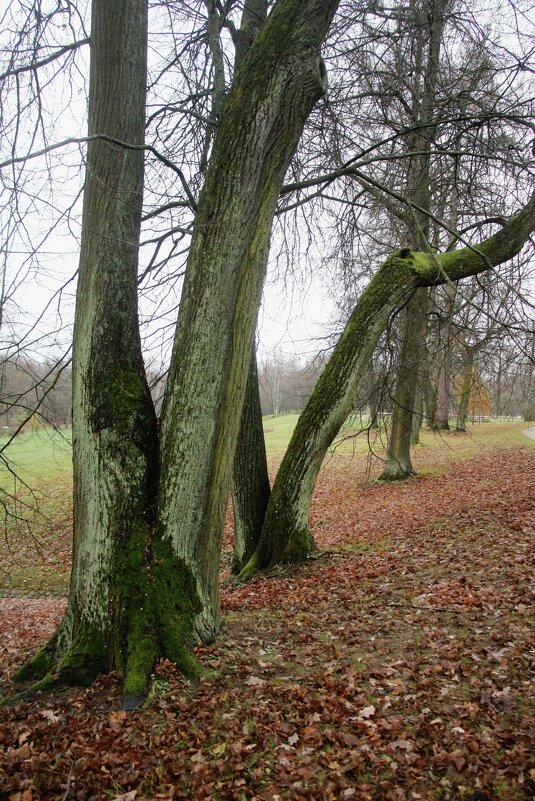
x: 35, y: 512
x: 352, y: 439
x: 38, y: 454
x: 36, y: 487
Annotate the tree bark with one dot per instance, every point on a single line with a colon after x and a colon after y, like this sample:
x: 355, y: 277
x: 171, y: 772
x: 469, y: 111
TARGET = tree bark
x: 285, y: 535
x: 443, y: 391
x: 442, y: 414
x: 275, y: 87
x: 146, y: 552
x: 398, y: 463
x: 418, y: 414
x: 250, y: 480
x: 114, y: 424
x: 428, y: 34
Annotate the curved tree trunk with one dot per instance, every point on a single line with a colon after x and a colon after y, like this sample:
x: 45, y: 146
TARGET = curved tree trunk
x: 275, y: 87
x: 285, y: 535
x: 114, y: 424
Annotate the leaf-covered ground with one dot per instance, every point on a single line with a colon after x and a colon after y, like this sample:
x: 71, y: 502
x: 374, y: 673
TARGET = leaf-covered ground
x: 398, y: 665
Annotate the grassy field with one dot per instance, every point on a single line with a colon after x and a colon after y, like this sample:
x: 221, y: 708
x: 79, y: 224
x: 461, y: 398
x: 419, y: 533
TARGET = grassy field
x: 396, y: 665
x: 36, y: 487
x: 36, y: 501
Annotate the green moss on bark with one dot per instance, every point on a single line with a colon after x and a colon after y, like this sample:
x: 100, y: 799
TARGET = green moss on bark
x: 40, y: 664
x: 81, y: 663
x: 84, y: 660
x: 176, y: 604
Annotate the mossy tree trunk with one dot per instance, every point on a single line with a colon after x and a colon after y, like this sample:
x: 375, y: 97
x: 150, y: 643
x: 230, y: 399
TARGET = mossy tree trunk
x: 275, y: 87
x: 250, y: 479
x: 114, y: 424
x: 285, y: 534
x: 146, y: 549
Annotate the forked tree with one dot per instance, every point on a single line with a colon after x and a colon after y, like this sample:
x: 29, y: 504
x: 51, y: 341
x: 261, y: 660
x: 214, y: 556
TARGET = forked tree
x: 149, y: 505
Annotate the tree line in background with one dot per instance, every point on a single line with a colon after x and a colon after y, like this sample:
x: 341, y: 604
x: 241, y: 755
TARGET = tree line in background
x: 409, y: 184
x: 500, y: 381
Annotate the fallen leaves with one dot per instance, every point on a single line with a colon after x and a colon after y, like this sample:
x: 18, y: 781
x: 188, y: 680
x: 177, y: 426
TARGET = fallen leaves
x: 400, y: 666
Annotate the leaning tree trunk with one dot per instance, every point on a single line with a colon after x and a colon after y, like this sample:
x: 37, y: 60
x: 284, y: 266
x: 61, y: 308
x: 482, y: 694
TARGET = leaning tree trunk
x: 250, y: 479
x: 466, y: 388
x: 275, y: 88
x: 285, y: 534
x: 114, y: 424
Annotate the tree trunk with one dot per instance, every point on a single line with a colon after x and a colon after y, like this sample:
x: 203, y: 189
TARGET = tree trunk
x: 428, y: 34
x: 465, y: 389
x: 250, y: 487
x: 275, y: 88
x: 145, y: 579
x: 498, y: 393
x: 442, y: 414
x: 418, y: 414
x: 250, y: 479
x: 285, y: 535
x: 428, y: 390
x: 114, y: 424
x: 398, y: 464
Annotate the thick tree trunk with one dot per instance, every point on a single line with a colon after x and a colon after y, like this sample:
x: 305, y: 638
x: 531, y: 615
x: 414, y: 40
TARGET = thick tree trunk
x: 250, y: 479
x: 466, y: 388
x: 398, y: 464
x: 285, y: 534
x: 274, y: 90
x: 114, y: 424
x: 145, y: 579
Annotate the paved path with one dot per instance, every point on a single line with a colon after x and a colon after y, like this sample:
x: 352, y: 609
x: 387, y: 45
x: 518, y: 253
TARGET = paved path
x: 529, y: 432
